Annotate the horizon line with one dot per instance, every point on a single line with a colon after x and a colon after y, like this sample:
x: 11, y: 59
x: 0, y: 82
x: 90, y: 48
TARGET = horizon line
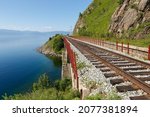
x: 35, y: 30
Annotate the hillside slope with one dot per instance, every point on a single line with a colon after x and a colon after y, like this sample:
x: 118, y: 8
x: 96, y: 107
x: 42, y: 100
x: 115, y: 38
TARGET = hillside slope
x: 115, y: 18
x: 53, y: 46
x: 95, y: 20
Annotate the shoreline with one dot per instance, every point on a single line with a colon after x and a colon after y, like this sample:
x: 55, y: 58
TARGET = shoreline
x: 46, y: 52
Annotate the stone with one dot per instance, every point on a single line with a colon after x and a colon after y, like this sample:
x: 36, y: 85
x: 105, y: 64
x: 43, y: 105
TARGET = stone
x: 129, y: 19
x: 131, y: 14
x: 147, y: 17
x: 143, y: 4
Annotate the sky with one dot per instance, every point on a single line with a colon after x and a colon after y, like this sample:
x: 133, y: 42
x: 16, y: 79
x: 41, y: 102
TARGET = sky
x: 41, y: 15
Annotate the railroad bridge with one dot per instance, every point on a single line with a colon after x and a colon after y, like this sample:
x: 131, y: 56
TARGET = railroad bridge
x: 117, y: 64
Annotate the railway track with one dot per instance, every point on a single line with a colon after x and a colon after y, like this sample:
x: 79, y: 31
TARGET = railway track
x: 125, y: 73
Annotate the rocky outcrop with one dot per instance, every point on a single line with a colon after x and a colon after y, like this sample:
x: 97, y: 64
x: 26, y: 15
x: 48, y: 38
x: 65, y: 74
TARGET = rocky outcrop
x: 142, y: 4
x: 131, y: 19
x: 79, y: 25
x: 48, y: 51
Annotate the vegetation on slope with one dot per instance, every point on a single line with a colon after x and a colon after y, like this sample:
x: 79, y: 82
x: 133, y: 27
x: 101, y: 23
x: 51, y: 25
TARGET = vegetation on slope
x: 53, y: 45
x: 96, y: 19
x: 46, y: 90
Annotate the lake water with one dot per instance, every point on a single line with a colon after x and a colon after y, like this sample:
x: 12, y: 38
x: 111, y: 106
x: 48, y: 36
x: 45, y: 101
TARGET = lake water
x: 21, y: 64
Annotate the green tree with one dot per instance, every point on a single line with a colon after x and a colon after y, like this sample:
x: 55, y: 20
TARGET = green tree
x: 42, y: 83
x: 62, y: 85
x: 58, y: 43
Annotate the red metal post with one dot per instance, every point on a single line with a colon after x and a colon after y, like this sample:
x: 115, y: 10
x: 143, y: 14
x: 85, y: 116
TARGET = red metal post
x: 104, y: 43
x: 122, y: 47
x: 100, y: 42
x: 73, y: 62
x: 128, y: 48
x: 116, y: 45
x: 77, y: 83
x: 75, y: 71
x: 149, y: 52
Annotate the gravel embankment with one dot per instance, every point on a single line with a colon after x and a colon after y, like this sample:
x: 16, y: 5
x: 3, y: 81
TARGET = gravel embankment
x: 90, y: 75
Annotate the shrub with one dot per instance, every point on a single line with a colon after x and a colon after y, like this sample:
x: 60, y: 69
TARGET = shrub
x: 62, y: 85
x: 57, y: 43
x: 81, y: 65
x: 120, y: 1
x: 80, y: 14
x: 113, y: 96
x: 42, y: 83
x: 71, y: 94
x: 94, y: 97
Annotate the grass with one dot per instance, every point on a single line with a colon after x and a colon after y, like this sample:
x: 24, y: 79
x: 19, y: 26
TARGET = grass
x: 135, y: 42
x: 98, y: 20
x: 111, y: 96
x: 81, y: 65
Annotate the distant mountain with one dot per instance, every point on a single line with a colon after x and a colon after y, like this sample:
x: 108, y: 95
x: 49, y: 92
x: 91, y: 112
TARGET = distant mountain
x: 15, y: 32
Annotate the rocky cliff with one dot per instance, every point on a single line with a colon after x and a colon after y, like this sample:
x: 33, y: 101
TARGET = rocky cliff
x: 119, y: 18
x: 131, y: 19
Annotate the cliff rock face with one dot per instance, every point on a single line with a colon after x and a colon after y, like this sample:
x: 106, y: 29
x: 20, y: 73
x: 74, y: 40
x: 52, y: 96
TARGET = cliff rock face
x: 131, y: 19
x: 79, y: 25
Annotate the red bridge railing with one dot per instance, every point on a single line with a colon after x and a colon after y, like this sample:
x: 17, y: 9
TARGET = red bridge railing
x: 72, y: 59
x: 125, y: 48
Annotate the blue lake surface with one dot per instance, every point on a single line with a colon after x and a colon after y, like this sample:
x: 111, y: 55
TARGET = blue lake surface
x: 21, y: 64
